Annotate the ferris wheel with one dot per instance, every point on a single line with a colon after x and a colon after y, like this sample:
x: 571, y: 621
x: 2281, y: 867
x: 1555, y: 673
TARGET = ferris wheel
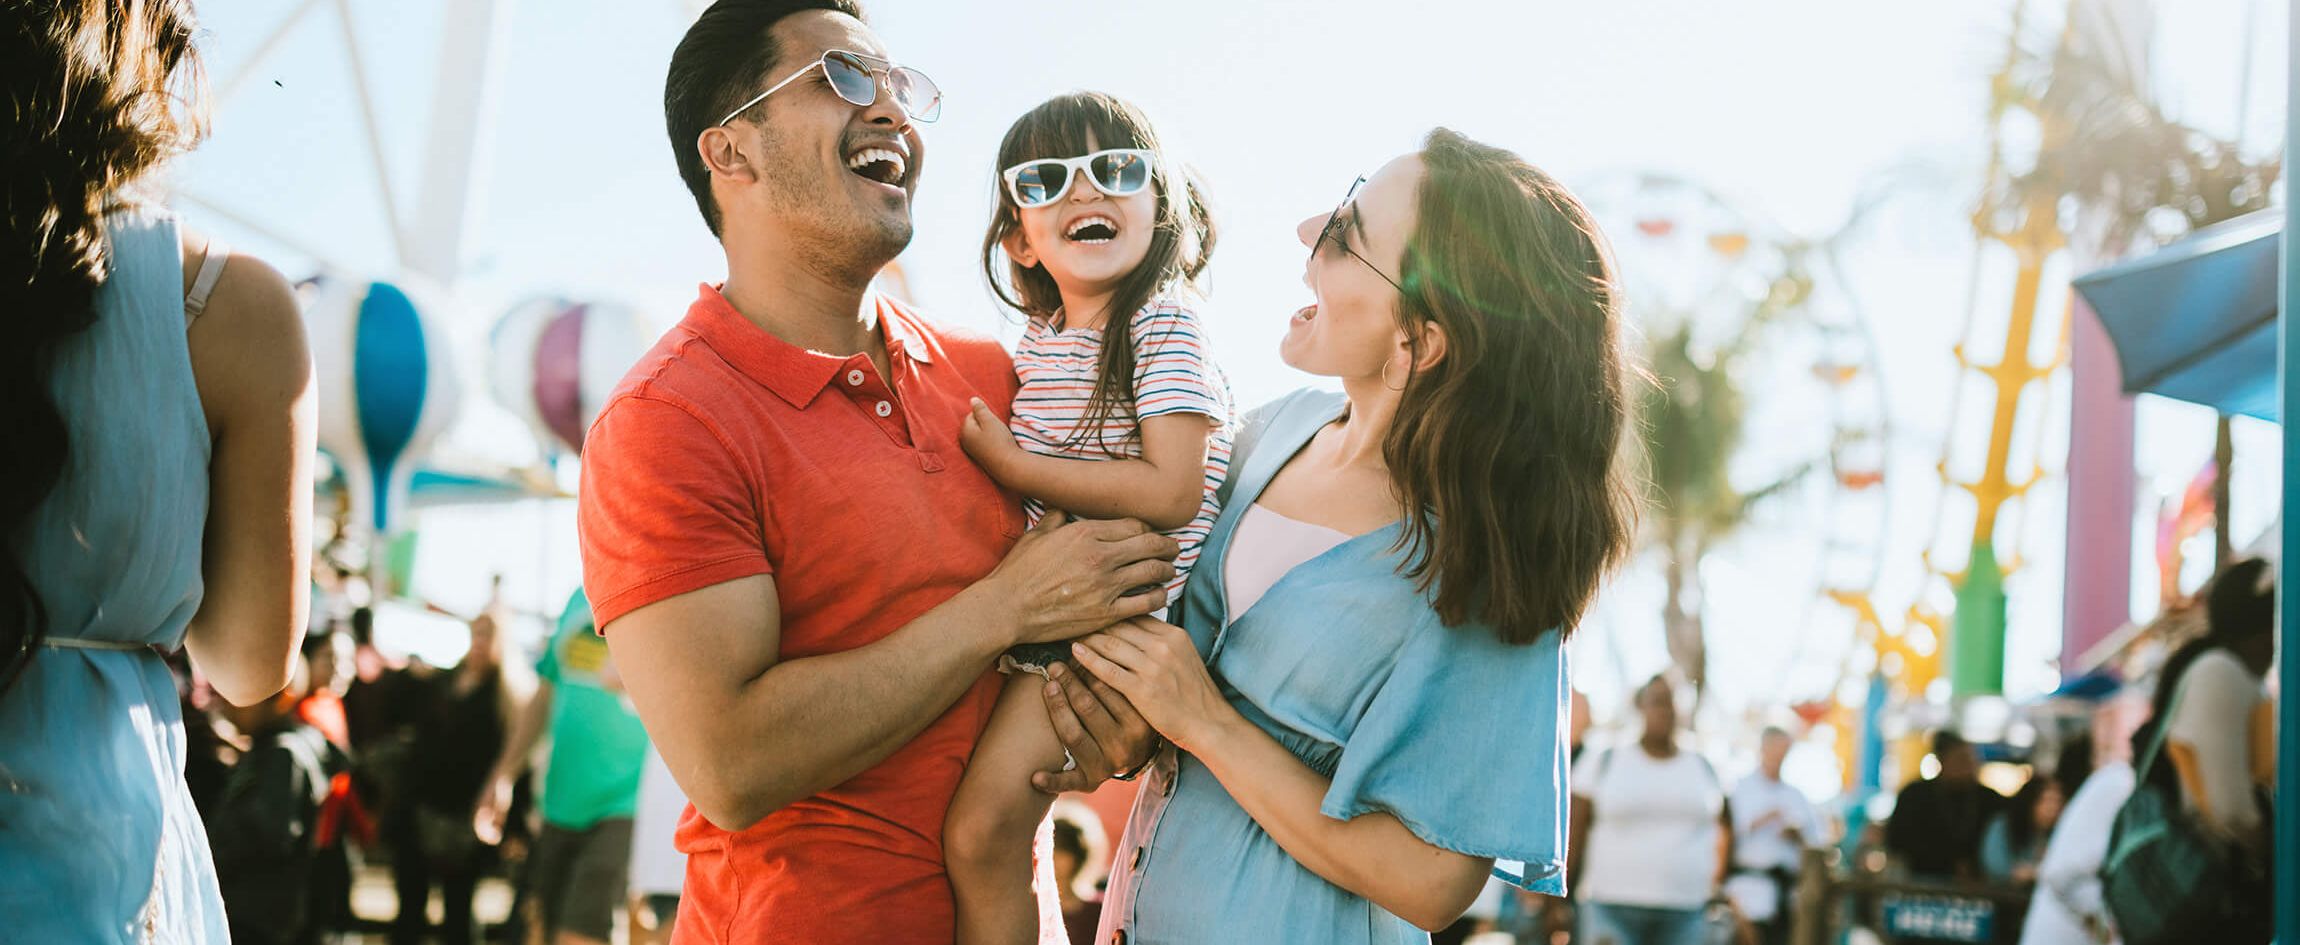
x: 1727, y: 285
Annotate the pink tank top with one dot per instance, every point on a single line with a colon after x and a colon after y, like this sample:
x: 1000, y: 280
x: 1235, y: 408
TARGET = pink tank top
x: 1265, y: 547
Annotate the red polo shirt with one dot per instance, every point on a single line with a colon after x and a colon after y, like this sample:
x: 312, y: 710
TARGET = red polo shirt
x: 727, y: 453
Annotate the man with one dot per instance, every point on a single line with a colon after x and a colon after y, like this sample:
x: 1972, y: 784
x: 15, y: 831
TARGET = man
x: 580, y: 866
x: 261, y: 830
x: 1935, y: 830
x: 1772, y: 825
x: 802, y: 579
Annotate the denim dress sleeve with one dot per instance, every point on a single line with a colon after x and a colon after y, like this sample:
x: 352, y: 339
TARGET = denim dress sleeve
x: 1465, y: 744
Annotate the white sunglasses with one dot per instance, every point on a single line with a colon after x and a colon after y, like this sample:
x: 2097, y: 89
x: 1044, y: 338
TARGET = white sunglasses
x: 1119, y: 172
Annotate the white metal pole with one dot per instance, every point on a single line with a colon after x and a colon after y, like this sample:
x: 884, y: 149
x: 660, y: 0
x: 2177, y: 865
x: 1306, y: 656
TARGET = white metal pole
x: 374, y: 129
x: 456, y: 148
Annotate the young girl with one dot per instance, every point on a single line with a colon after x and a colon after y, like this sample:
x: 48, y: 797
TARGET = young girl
x: 1120, y: 415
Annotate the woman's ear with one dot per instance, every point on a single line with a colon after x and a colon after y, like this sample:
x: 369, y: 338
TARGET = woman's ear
x: 1017, y: 246
x: 723, y: 155
x: 1431, y: 342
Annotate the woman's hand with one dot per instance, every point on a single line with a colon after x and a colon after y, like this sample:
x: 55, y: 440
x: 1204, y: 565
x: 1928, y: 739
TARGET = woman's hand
x: 1154, y: 665
x: 986, y: 438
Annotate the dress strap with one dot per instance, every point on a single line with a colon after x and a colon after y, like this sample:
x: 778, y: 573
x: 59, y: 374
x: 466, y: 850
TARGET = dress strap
x: 211, y: 269
x: 69, y: 643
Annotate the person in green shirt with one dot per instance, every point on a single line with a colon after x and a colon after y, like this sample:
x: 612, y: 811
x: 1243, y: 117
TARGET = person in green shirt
x: 580, y: 866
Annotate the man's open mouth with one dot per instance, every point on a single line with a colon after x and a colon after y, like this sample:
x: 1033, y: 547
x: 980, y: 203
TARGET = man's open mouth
x: 882, y: 165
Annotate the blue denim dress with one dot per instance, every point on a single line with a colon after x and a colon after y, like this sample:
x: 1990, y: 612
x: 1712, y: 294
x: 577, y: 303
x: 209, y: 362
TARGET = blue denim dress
x: 98, y: 838
x: 1458, y: 735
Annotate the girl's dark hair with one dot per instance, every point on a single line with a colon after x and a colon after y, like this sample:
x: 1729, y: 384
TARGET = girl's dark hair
x: 2236, y: 608
x: 1508, y: 452
x: 99, y: 94
x: 1183, y: 242
x: 2020, y: 815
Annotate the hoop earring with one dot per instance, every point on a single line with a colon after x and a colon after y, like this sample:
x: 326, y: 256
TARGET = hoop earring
x: 1386, y: 378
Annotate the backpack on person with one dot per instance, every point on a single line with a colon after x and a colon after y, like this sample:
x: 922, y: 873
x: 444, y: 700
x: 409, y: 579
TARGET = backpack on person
x: 2168, y: 878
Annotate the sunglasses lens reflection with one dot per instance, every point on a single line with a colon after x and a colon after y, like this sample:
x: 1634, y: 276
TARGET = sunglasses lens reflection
x: 850, y: 77
x: 1121, y: 174
x: 1040, y: 182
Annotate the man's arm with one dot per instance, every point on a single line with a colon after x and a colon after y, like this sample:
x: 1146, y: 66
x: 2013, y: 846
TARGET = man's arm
x: 526, y: 730
x: 747, y: 733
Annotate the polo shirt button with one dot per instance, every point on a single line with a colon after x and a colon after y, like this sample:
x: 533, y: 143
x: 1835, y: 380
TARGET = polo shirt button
x: 855, y: 378
x: 1118, y: 937
x: 1138, y: 857
x: 884, y: 408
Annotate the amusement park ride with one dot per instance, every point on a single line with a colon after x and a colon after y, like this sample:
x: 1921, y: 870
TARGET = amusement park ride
x: 1729, y: 270
x: 389, y: 384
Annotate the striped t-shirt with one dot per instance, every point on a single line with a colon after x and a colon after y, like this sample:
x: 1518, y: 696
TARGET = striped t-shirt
x: 1172, y: 374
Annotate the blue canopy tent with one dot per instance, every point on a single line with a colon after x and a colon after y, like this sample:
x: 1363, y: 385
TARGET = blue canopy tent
x: 2199, y: 321
x: 2196, y: 320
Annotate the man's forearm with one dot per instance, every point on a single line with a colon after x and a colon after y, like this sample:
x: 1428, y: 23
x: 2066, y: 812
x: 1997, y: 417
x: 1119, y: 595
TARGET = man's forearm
x: 533, y: 718
x: 809, y: 724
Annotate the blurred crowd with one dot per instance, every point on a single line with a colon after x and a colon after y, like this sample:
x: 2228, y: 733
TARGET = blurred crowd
x: 439, y: 777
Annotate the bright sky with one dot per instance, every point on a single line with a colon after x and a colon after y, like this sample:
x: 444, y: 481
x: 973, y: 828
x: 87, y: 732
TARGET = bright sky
x: 1789, y: 108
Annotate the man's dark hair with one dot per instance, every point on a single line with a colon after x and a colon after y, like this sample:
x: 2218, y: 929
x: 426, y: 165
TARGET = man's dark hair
x: 724, y: 58
x: 1946, y: 741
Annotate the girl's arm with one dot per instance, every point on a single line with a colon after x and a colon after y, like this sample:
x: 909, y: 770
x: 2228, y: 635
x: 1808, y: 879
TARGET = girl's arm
x: 1163, y: 489
x: 1373, y: 855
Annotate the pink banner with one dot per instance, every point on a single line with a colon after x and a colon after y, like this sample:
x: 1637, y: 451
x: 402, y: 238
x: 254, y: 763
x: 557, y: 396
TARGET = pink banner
x: 2098, y: 583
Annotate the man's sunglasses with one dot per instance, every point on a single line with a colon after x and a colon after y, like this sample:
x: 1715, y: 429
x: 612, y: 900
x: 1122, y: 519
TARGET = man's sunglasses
x: 855, y: 77
x: 1119, y: 172
x: 1333, y: 233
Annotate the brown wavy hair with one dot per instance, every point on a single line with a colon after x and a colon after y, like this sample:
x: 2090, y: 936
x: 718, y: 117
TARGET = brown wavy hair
x: 99, y: 94
x: 1509, y: 452
x: 1180, y: 247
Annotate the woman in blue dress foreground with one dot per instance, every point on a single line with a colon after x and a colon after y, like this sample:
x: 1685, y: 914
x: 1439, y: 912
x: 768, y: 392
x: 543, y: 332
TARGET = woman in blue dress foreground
x: 155, y: 480
x: 1367, y: 692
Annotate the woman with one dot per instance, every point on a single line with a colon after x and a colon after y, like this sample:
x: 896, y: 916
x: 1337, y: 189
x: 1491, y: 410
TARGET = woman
x: 2216, y: 725
x: 1651, y: 838
x: 1396, y: 567
x: 458, y: 733
x: 2212, y: 698
x: 2014, y: 841
x: 157, y: 395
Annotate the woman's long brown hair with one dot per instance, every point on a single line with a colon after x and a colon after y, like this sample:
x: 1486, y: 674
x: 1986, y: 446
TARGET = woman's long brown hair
x: 1180, y: 247
x: 98, y: 94
x: 1508, y: 452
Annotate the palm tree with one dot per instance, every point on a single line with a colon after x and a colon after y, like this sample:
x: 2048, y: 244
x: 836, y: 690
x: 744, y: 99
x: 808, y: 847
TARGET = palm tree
x: 1693, y: 421
x: 2112, y: 148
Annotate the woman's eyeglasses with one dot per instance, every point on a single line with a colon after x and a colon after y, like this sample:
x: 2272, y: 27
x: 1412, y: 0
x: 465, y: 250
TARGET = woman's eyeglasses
x: 855, y: 77
x: 1334, y: 232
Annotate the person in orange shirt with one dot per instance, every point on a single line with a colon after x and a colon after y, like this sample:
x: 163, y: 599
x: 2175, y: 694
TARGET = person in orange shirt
x: 802, y: 578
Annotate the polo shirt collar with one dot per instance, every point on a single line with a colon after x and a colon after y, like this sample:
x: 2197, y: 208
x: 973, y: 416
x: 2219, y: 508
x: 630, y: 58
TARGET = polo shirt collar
x: 795, y: 374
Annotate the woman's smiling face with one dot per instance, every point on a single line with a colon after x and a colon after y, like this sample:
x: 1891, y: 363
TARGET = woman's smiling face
x: 1351, y: 329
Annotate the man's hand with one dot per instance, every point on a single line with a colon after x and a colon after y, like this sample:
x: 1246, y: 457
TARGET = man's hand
x: 1097, y: 726
x: 493, y: 809
x: 1066, y: 579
